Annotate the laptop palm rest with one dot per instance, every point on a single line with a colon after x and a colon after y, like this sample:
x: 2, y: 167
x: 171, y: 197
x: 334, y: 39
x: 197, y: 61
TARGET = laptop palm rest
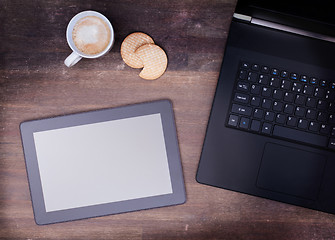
x: 291, y: 171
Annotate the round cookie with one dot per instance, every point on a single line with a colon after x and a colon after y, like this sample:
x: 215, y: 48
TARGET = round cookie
x: 129, y: 46
x: 154, y: 60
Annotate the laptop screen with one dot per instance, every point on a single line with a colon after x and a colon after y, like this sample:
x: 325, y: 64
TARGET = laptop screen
x: 316, y: 16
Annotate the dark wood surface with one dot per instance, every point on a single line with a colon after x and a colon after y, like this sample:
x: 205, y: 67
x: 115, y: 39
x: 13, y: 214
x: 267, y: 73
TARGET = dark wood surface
x: 34, y: 83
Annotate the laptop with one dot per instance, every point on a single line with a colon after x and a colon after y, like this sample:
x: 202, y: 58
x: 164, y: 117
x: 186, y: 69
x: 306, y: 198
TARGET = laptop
x: 271, y: 131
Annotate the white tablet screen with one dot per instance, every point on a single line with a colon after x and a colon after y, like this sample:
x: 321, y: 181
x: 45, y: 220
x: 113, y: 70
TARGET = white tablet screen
x: 102, y: 162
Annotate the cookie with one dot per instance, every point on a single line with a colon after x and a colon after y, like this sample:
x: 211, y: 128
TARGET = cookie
x: 154, y: 61
x: 130, y: 44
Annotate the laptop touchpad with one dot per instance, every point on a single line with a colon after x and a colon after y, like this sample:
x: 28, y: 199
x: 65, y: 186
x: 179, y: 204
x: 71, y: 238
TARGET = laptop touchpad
x: 291, y: 171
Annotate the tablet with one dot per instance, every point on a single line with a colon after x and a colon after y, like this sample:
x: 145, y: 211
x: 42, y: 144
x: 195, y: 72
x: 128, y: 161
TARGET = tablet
x: 103, y: 162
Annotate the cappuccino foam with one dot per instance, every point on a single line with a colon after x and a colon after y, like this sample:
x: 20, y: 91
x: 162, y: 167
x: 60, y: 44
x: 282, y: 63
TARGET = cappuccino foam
x: 91, y: 35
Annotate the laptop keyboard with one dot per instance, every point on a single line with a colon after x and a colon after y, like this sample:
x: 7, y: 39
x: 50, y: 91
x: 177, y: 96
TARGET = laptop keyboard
x: 275, y: 102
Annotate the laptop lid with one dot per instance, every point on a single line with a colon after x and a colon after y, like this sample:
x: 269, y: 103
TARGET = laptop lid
x: 309, y: 18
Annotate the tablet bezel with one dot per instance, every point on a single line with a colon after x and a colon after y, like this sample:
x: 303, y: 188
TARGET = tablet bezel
x: 163, y: 107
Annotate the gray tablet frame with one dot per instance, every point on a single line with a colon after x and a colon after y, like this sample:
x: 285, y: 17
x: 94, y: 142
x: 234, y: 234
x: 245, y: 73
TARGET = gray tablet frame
x: 164, y: 107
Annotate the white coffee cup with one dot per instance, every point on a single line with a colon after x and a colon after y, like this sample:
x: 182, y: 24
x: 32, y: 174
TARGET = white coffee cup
x: 96, y: 30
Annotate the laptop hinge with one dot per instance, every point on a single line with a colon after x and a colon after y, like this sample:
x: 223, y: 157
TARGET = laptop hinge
x: 291, y: 30
x: 242, y: 17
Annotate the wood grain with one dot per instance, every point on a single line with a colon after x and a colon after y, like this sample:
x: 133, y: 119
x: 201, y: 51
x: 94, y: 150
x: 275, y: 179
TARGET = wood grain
x: 34, y: 83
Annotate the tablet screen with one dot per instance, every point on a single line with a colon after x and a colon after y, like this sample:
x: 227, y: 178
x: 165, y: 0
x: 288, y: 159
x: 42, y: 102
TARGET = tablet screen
x: 102, y: 162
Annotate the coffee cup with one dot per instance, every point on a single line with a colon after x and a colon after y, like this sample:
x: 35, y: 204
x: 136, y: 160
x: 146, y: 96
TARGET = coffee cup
x: 89, y: 35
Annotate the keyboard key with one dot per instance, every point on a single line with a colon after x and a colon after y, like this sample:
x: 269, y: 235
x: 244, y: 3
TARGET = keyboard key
x: 308, y: 90
x: 311, y: 114
x: 284, y: 74
x: 244, y: 123
x: 243, y: 86
x: 252, y: 77
x: 242, y: 98
x: 269, y: 116
x: 263, y: 79
x: 294, y: 76
x: 331, y: 107
x: 266, y: 103
x: 255, y: 101
x: 303, y: 124
x: 266, y: 128
x: 255, y: 89
x: 297, y: 87
x: 255, y: 67
x: 292, y: 121
x: 274, y: 71
x: 322, y: 105
x: 330, y: 95
x: 255, y: 125
x: 266, y: 92
x: 258, y: 113
x: 332, y: 133
x: 280, y: 118
x: 313, y: 81
x: 311, y: 102
x: 243, y: 74
x: 319, y: 92
x: 233, y: 120
x: 275, y: 82
x: 300, y: 136
x: 289, y: 109
x: 322, y: 117
x: 314, y: 126
x: 243, y: 110
x: 325, y: 129
x: 285, y: 84
x: 277, y: 106
x: 331, y: 119
x: 331, y: 144
x: 323, y: 83
x: 303, y: 78
x: 265, y: 69
x: 300, y: 111
x: 300, y: 99
x: 277, y: 94
x: 245, y: 65
x: 289, y: 97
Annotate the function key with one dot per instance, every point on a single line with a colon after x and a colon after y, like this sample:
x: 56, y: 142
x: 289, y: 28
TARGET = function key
x: 304, y: 78
x: 294, y: 76
x: 275, y: 71
x: 313, y: 80
x: 284, y: 74
x: 265, y: 69
x: 233, y: 120
x: 255, y: 67
x: 332, y: 85
x: 244, y: 123
x: 245, y: 65
x: 323, y: 83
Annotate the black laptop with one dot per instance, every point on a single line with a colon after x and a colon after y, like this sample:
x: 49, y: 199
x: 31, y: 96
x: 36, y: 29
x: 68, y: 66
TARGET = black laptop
x: 271, y: 131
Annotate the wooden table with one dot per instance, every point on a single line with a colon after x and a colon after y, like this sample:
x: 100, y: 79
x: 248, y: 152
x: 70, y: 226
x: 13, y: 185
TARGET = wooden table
x: 34, y: 83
